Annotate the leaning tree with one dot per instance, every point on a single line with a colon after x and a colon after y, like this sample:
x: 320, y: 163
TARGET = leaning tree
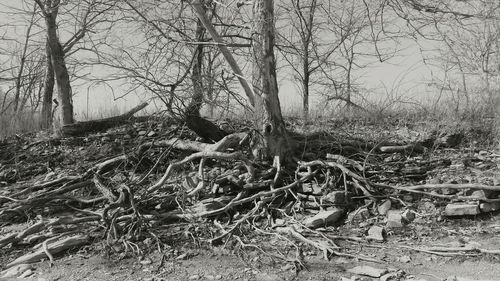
x: 272, y: 140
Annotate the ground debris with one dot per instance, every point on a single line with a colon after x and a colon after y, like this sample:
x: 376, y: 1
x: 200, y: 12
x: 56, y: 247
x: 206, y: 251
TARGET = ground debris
x: 153, y: 181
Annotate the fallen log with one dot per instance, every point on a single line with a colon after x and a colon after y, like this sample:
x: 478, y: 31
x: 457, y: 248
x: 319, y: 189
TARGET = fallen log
x: 53, y: 248
x: 81, y: 128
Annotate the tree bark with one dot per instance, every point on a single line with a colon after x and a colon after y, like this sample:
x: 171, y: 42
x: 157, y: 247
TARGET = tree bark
x: 50, y: 10
x: 273, y: 141
x: 202, y: 127
x: 200, y: 13
x: 48, y: 91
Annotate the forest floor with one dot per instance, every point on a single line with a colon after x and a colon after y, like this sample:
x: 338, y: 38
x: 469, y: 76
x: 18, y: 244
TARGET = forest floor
x: 443, y: 222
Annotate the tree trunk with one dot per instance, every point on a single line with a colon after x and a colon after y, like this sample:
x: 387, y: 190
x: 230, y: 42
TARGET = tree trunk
x: 274, y: 141
x: 200, y: 12
x: 305, y: 87
x: 48, y: 91
x: 59, y: 64
x: 197, y: 99
x: 202, y: 127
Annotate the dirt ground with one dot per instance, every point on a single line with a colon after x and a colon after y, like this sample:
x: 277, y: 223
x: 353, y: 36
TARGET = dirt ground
x: 219, y: 263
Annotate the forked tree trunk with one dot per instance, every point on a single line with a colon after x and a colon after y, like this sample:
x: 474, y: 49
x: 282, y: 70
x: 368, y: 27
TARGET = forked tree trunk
x: 273, y: 140
x: 50, y: 10
x: 269, y: 122
x: 48, y: 91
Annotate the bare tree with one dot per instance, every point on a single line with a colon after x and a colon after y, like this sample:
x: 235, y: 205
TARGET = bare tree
x: 84, y: 16
x: 50, y: 9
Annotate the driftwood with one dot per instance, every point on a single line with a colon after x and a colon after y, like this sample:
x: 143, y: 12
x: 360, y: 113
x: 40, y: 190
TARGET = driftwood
x: 81, y: 128
x: 53, y: 248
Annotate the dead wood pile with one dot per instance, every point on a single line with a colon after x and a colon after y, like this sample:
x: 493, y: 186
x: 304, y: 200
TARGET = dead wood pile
x: 125, y: 185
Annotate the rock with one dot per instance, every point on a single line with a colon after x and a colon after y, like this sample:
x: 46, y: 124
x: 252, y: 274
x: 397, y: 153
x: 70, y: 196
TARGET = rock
x: 368, y: 271
x: 489, y: 207
x: 461, y: 209
x: 404, y: 259
x: 358, y: 215
x: 142, y: 133
x: 151, y: 134
x: 408, y: 216
x: 384, y: 207
x: 376, y: 233
x: 310, y: 188
x: 218, y: 277
x: 324, y: 218
x: 194, y: 277
x: 209, y: 277
x: 394, y: 219
x: 482, y: 194
x: 334, y: 197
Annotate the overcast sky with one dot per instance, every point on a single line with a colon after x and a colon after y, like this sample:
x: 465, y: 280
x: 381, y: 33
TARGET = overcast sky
x: 407, y: 71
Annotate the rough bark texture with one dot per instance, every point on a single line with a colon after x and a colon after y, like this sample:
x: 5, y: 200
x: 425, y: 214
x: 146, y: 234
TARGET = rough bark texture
x: 273, y: 139
x: 48, y: 92
x: 57, y: 55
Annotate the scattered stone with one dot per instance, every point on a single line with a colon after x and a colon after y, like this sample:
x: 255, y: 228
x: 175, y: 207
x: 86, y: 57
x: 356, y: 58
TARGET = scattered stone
x: 358, y: 215
x: 384, y: 207
x: 408, y: 216
x: 404, y: 259
x: 209, y: 277
x: 324, y: 218
x: 146, y: 261
x: 368, y: 271
x: 461, y: 209
x: 489, y: 207
x: 151, y: 134
x: 334, y: 197
x: 142, y: 133
x: 376, y: 233
x: 105, y: 139
x: 394, y: 219
x: 218, y: 277
x: 310, y: 188
x: 482, y: 194
x: 194, y: 277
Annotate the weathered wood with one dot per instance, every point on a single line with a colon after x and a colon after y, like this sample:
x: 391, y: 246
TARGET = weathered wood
x: 81, y: 128
x: 53, y: 248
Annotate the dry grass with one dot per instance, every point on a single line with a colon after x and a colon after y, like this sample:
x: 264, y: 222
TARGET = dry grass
x: 476, y: 119
x: 23, y: 122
